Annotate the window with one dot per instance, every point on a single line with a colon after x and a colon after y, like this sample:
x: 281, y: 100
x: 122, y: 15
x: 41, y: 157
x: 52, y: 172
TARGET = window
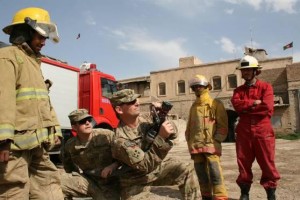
x: 162, y: 89
x: 108, y: 87
x: 232, y: 81
x: 217, y: 83
x: 181, y: 87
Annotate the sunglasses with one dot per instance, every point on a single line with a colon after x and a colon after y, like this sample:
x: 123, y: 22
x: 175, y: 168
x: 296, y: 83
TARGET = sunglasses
x: 83, y: 121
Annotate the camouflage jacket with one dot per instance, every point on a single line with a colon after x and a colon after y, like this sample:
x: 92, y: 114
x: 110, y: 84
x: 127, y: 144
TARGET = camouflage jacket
x: 144, y: 166
x: 94, y: 155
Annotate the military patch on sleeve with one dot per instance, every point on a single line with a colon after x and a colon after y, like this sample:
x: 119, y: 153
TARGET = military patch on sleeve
x: 129, y: 144
x: 135, y: 154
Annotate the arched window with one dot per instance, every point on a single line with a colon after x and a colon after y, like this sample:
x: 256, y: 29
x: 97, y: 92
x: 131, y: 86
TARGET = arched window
x: 217, y: 83
x: 232, y: 81
x: 161, y: 89
x: 181, y: 87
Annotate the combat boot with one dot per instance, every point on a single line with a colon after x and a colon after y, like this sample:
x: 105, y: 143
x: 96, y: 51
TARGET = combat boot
x: 244, y: 192
x: 271, y: 193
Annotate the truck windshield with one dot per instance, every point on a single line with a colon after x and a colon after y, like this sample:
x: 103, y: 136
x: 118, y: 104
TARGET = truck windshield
x: 108, y: 87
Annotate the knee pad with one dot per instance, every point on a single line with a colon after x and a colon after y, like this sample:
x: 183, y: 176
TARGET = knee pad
x: 201, y: 172
x: 215, y: 174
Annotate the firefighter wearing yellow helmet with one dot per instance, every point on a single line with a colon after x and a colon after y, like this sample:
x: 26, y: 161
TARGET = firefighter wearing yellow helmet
x: 255, y: 139
x: 207, y: 127
x: 28, y: 123
x: 199, y: 80
x: 37, y: 19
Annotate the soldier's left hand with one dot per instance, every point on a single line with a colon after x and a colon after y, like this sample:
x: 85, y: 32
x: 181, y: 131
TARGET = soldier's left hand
x: 166, y: 129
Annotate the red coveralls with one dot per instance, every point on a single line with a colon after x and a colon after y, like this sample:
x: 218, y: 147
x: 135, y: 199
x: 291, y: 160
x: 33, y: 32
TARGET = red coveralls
x: 255, y: 136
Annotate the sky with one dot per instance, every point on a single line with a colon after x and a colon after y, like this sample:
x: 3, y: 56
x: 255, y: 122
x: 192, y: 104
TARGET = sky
x: 131, y: 38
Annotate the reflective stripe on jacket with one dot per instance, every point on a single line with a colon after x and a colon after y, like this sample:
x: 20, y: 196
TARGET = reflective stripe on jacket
x: 27, y: 116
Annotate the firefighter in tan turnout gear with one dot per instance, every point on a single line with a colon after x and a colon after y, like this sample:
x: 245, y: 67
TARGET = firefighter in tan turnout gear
x: 28, y: 124
x: 207, y: 127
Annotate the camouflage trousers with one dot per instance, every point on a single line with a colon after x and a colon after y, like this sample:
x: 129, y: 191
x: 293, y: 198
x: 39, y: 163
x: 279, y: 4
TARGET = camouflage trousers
x: 172, y: 172
x: 29, y: 174
x: 76, y: 185
x: 209, y: 172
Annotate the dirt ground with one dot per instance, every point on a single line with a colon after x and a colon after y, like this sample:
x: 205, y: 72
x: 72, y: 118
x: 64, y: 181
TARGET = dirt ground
x: 287, y: 162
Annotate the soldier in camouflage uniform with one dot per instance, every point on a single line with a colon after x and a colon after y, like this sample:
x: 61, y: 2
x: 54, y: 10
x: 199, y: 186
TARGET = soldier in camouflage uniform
x: 88, y: 161
x: 143, y: 169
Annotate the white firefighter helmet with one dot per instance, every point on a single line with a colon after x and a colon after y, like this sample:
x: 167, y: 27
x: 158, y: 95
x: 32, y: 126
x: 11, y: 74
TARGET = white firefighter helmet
x: 38, y: 19
x: 199, y: 80
x: 248, y: 62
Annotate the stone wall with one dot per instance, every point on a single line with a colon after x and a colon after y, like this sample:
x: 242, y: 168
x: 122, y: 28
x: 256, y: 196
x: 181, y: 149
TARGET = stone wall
x: 280, y: 72
x: 293, y: 76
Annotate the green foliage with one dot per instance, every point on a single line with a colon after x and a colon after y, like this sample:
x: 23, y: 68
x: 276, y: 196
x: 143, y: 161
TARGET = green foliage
x: 292, y: 136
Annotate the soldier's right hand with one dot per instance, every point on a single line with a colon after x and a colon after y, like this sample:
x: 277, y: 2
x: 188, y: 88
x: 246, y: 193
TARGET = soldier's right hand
x: 166, y: 129
x: 156, y: 105
x: 5, y: 151
x: 109, y: 169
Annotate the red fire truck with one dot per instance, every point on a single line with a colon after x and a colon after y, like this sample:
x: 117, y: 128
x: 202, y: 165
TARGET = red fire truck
x: 83, y: 87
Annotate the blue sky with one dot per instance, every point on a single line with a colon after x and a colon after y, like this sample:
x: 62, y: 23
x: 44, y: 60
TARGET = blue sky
x: 130, y: 38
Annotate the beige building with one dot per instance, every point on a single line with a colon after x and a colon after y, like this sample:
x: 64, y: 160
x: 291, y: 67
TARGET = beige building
x: 172, y: 85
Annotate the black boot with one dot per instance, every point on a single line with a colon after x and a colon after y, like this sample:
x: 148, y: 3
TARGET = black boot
x: 244, y: 192
x: 271, y: 193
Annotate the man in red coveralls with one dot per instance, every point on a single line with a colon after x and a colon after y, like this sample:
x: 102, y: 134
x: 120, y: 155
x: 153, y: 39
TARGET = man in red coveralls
x: 253, y: 101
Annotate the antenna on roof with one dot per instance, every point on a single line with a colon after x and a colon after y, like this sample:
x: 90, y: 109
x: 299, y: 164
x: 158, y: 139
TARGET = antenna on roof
x: 251, y: 37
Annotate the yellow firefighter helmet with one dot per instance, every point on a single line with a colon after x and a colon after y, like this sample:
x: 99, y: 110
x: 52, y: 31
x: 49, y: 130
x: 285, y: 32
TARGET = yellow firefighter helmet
x: 38, y: 19
x: 248, y: 62
x: 199, y: 80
